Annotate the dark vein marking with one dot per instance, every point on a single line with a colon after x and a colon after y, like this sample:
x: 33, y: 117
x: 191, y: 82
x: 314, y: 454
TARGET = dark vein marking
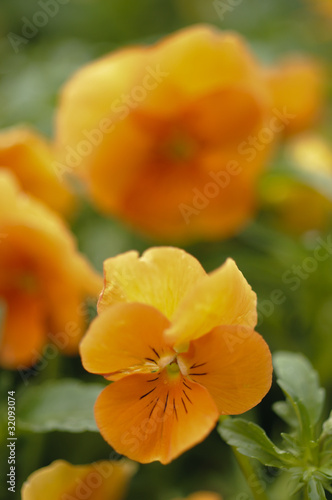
x: 148, y: 393
x: 154, y: 351
x: 184, y: 392
x: 153, y: 379
x: 197, y: 374
x: 190, y: 388
x: 166, y: 402
x: 184, y: 405
x: 154, y: 407
x: 174, y: 407
x: 152, y: 360
x: 197, y: 366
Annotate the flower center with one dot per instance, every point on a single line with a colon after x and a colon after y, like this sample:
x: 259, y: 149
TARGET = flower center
x: 173, y: 369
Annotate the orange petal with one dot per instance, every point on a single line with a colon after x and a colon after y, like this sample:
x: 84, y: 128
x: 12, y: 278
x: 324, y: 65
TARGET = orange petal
x: 234, y: 364
x: 126, y: 338
x: 23, y: 332
x: 223, y: 297
x: 149, y: 419
x: 160, y: 278
x: 105, y: 480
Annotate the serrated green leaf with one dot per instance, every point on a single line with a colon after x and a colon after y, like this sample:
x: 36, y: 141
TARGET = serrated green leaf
x: 60, y: 405
x: 300, y: 382
x: 252, y: 441
x: 315, y: 490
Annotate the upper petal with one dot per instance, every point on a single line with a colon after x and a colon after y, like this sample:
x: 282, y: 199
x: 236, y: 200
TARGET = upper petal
x: 234, y: 364
x: 124, y: 339
x: 160, y: 278
x: 222, y: 297
x: 149, y: 420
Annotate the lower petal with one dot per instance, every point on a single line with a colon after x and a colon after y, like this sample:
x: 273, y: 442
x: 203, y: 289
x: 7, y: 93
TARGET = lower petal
x: 150, y: 418
x: 234, y: 364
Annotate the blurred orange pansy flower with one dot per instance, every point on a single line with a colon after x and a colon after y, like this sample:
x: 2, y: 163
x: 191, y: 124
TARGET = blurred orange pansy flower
x: 43, y: 279
x: 297, y: 88
x: 159, y: 134
x: 29, y: 156
x: 181, y: 348
x: 106, y: 480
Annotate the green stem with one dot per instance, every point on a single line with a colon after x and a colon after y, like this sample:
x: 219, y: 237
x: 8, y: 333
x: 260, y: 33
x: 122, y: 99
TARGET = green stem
x: 256, y: 486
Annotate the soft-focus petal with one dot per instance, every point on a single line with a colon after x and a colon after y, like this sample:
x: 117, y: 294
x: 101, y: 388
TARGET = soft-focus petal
x: 23, y: 331
x: 147, y: 419
x: 296, y: 86
x: 124, y: 339
x: 160, y: 278
x: 234, y: 364
x: 29, y: 156
x: 223, y: 297
x: 202, y: 495
x: 105, y: 480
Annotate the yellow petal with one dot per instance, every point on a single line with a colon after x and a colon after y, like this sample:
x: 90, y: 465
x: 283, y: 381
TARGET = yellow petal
x: 223, y: 297
x: 105, y: 480
x: 160, y: 278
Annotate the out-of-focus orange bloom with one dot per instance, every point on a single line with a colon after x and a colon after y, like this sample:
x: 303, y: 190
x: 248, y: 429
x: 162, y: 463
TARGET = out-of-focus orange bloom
x: 323, y: 6
x: 203, y: 495
x: 29, y: 156
x: 303, y: 204
x: 181, y: 348
x: 43, y: 279
x: 160, y: 134
x: 104, y: 480
x: 296, y: 85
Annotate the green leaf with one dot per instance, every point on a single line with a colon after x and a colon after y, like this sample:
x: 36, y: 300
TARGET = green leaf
x: 251, y: 440
x: 315, y: 490
x: 286, y: 412
x: 60, y: 405
x: 300, y: 382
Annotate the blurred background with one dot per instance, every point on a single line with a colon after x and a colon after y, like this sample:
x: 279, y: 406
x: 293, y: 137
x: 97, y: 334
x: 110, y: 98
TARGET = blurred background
x: 36, y: 61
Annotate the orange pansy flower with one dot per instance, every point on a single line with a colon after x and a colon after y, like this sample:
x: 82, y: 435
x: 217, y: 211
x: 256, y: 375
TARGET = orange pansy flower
x: 43, y: 279
x: 159, y: 134
x: 105, y: 480
x: 296, y: 85
x: 29, y: 156
x: 181, y: 348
